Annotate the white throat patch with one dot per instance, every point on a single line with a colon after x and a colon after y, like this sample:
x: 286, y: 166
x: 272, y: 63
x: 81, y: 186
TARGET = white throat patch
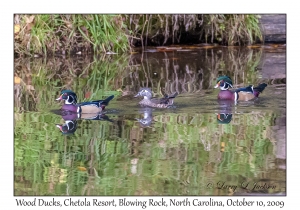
x: 67, y: 101
x: 223, y: 88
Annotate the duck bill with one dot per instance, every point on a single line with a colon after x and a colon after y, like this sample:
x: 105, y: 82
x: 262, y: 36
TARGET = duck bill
x: 59, y: 126
x: 137, y: 95
x: 60, y: 98
x: 217, y: 85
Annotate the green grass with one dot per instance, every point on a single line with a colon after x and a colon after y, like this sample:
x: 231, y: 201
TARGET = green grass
x: 70, y: 34
x: 42, y: 35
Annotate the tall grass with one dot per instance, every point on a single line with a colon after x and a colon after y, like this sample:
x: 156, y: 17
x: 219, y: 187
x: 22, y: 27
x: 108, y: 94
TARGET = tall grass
x: 178, y: 28
x: 40, y: 35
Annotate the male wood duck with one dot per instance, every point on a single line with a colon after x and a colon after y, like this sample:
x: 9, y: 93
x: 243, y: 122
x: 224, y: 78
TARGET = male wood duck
x: 89, y: 107
x: 165, y: 102
x: 240, y: 94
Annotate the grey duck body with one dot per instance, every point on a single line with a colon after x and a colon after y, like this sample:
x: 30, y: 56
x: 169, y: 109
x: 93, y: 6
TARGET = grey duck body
x: 165, y: 102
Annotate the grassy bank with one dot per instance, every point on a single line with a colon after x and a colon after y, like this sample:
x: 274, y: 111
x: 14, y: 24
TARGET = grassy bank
x: 44, y: 35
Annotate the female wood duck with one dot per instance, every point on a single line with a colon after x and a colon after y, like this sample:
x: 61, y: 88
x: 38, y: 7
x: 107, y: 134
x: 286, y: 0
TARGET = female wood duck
x: 241, y: 94
x: 165, y: 102
x: 88, y: 107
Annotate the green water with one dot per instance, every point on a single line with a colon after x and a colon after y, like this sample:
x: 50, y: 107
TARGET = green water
x: 184, y: 150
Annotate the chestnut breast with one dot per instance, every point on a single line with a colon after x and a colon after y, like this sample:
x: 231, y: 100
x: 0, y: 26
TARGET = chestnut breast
x: 226, y: 95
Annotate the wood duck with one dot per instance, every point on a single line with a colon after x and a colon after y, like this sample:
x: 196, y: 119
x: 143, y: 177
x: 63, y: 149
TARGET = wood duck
x: 165, y: 102
x: 240, y: 94
x: 89, y: 107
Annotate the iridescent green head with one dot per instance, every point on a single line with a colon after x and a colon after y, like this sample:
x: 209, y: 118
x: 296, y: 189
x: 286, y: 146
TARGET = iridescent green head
x: 224, y: 82
x: 69, y: 97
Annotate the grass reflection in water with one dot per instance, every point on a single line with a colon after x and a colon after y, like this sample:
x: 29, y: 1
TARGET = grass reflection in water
x: 186, y: 150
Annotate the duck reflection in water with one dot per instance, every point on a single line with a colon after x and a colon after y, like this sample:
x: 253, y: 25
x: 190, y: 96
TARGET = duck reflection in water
x: 147, y: 117
x: 224, y: 115
x: 70, y: 118
x: 69, y: 127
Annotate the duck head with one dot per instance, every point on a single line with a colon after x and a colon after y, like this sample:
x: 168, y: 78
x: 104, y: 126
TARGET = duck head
x: 144, y: 92
x: 69, y: 97
x: 224, y: 83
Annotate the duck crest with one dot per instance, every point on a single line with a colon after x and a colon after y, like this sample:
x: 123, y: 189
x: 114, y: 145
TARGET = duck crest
x: 225, y: 78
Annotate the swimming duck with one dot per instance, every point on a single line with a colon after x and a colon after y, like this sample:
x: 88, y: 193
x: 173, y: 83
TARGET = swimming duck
x: 165, y: 102
x: 89, y: 107
x: 240, y: 94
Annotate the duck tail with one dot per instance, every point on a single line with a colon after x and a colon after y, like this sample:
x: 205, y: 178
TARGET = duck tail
x: 259, y: 89
x: 172, y: 96
x: 107, y: 100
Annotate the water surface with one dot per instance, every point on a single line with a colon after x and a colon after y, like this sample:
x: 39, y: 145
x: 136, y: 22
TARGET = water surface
x: 198, y: 147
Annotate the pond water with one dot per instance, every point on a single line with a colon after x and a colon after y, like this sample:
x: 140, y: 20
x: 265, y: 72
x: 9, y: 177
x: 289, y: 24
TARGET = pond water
x: 200, y: 146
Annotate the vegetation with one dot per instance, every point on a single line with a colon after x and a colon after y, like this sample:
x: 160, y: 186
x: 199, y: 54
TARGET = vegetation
x: 69, y: 34
x: 192, y: 28
x: 42, y: 35
x: 178, y: 155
